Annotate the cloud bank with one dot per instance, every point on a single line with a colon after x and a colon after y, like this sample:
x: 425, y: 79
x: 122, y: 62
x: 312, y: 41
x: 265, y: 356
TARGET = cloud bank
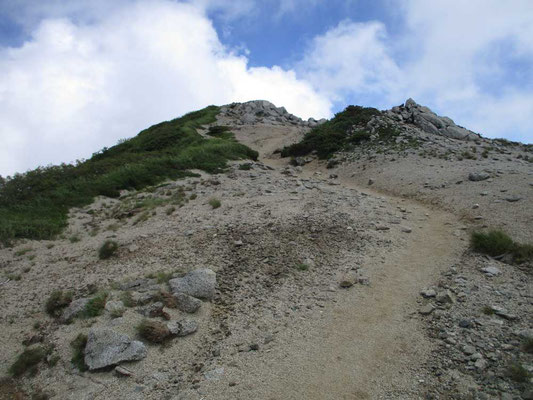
x: 74, y: 88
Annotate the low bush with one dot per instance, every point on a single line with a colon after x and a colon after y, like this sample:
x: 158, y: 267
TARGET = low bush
x: 28, y: 360
x: 57, y: 301
x: 96, y: 305
x: 518, y: 373
x: 107, y: 249
x: 78, y: 351
x: 497, y: 243
x: 335, y: 134
x: 153, y: 331
x: 215, y: 203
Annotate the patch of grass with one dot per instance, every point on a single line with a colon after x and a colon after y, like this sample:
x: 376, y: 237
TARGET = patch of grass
x: 50, y: 245
x: 23, y: 251
x: 496, y: 243
x: 302, y: 267
x: 141, y: 218
x: 214, y: 203
x: 14, y: 277
x: 28, y: 360
x: 127, y: 299
x: 170, y: 210
x: 113, y: 227
x: 78, y: 351
x: 518, y: 373
x: 335, y: 134
x: 222, y: 132
x: 487, y: 310
x: 193, y: 196
x: 57, y: 301
x: 245, y: 167
x: 527, y: 345
x: 107, y: 249
x: 96, y: 305
x: 153, y: 331
x: 163, y: 276
x: 74, y: 239
x: 167, y: 299
x: 35, y: 204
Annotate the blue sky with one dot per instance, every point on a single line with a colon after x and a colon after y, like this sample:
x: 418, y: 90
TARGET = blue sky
x: 79, y: 75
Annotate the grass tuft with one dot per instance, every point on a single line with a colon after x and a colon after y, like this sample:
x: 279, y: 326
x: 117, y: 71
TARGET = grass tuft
x: 57, y: 301
x: 518, y: 373
x: 96, y: 305
x: 214, y: 203
x: 28, y: 360
x: 496, y: 243
x: 153, y: 331
x: 78, y: 351
x: 107, y: 249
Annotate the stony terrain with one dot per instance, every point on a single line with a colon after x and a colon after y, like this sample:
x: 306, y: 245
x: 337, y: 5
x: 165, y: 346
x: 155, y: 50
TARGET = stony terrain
x: 348, y: 279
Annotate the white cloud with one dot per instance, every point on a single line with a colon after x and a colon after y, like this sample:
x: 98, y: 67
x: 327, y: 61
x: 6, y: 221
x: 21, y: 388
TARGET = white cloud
x: 457, y: 57
x: 74, y: 88
x: 351, y: 60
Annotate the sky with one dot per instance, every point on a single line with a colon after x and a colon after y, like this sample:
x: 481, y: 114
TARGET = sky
x: 79, y: 75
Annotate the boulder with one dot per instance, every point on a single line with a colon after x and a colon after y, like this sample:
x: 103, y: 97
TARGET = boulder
x: 187, y: 303
x: 199, y: 283
x: 106, y: 348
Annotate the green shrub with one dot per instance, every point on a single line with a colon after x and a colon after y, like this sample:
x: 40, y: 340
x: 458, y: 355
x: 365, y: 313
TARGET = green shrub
x: 496, y: 243
x: 302, y: 267
x: 78, y: 352
x: 95, y: 306
x: 215, y: 203
x: 127, y: 299
x: 527, y: 345
x: 518, y: 373
x: 35, y: 204
x: 28, y: 360
x: 153, y: 331
x: 57, y: 301
x: 493, y: 243
x: 335, y: 134
x: 245, y: 167
x: 107, y: 249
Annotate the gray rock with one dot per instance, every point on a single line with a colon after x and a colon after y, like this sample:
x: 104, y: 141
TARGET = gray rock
x: 199, y: 283
x: 469, y: 350
x: 348, y: 280
x: 106, y: 347
x: 427, y: 309
x: 187, y: 303
x: 513, y: 199
x: 428, y: 293
x: 491, y: 270
x: 446, y: 297
x: 142, y: 298
x: 456, y: 132
x: 73, y: 310
x: 478, y: 176
x: 183, y: 327
x: 152, y: 310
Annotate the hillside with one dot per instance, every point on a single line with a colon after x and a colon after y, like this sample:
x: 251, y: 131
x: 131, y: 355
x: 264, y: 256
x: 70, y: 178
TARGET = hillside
x: 239, y: 252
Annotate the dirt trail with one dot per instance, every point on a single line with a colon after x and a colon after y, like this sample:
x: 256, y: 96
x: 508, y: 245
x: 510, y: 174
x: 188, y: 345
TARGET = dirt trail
x: 368, y: 344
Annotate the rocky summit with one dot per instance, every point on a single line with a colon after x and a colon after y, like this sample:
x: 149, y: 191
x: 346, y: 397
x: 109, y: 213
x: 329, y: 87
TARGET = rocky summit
x: 241, y: 252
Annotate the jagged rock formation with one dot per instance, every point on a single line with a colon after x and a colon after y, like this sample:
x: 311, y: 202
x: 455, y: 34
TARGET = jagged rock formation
x: 425, y: 119
x: 262, y: 111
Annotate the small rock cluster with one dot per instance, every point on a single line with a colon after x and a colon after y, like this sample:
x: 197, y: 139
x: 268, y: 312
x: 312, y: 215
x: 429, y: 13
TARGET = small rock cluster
x: 262, y: 111
x: 478, y: 314
x: 425, y: 119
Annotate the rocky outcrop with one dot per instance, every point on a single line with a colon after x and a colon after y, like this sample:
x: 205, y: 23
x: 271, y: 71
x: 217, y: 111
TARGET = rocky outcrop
x: 426, y: 120
x: 264, y: 112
